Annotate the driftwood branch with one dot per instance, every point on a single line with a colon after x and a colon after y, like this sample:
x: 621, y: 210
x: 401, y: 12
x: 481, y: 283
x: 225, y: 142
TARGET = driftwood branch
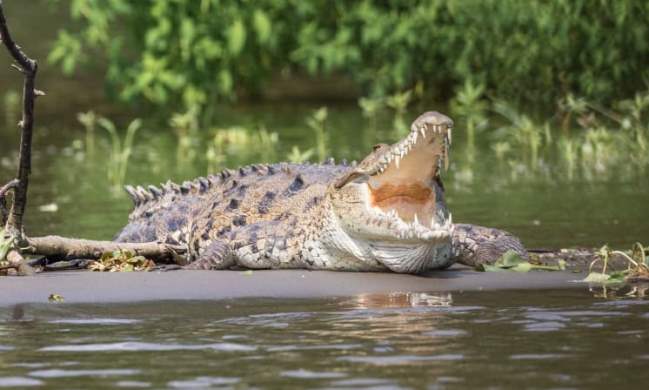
x: 57, y: 246
x: 28, y: 68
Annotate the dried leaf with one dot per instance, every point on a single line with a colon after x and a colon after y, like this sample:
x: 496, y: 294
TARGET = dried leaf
x: 55, y: 298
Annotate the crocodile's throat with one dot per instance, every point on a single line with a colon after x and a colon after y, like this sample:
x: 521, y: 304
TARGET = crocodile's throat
x: 404, y: 185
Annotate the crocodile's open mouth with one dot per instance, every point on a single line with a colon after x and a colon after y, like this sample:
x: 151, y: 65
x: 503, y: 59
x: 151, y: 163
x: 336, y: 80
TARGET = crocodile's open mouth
x: 402, y: 185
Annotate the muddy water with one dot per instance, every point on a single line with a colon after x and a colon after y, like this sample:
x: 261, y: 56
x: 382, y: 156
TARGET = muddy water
x: 565, y: 338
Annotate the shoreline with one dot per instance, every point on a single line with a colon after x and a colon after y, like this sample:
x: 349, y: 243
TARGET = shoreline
x: 127, y: 287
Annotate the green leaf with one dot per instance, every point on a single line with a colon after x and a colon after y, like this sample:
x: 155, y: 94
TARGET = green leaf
x: 601, y: 278
x: 6, y: 243
x: 261, y: 22
x: 236, y: 37
x: 511, y: 261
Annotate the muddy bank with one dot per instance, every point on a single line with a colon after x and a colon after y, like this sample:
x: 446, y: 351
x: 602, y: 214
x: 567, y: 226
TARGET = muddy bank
x: 94, y: 287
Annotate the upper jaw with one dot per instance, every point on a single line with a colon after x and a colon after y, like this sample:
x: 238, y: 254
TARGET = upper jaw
x: 426, y: 126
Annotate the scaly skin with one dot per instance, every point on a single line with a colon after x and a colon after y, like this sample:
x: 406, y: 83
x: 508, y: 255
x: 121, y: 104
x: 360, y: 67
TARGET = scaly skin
x: 386, y: 213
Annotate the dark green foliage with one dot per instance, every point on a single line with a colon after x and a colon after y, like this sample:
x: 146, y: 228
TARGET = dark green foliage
x: 196, y: 52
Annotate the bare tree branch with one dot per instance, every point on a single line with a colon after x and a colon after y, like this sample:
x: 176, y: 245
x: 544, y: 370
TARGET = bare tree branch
x: 4, y: 213
x: 29, y: 68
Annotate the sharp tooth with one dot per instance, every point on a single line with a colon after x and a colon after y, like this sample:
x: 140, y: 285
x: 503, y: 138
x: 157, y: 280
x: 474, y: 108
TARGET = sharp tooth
x: 396, y: 161
x: 416, y: 219
x: 450, y: 134
x: 450, y: 219
x: 422, y: 131
x: 414, y: 137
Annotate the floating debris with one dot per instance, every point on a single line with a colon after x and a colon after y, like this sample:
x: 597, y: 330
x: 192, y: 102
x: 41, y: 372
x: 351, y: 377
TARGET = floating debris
x: 49, y: 208
x: 55, y: 298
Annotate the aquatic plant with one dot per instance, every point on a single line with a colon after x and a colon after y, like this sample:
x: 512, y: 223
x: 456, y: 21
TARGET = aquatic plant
x: 120, y: 152
x: 399, y: 102
x: 317, y: 122
x: 637, y: 266
x: 185, y: 127
x: 371, y: 107
x: 89, y: 121
x: 469, y: 106
x: 298, y: 156
x: 241, y: 142
x: 511, y: 261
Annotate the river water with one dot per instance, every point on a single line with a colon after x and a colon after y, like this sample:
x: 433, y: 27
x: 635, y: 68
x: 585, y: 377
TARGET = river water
x: 567, y: 338
x: 555, y: 339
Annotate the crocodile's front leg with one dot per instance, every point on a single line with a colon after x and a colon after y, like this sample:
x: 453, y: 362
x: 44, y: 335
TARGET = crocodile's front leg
x: 474, y: 245
x: 216, y: 255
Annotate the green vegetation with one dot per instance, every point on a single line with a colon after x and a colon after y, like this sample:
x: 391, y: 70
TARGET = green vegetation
x: 511, y: 261
x: 6, y: 243
x: 194, y: 53
x: 637, y: 266
x: 317, y: 123
x: 240, y: 142
x: 120, y: 151
x: 493, y: 60
x: 594, y: 142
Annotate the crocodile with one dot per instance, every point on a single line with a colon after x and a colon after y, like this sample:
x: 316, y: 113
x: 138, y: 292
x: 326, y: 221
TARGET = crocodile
x: 386, y: 213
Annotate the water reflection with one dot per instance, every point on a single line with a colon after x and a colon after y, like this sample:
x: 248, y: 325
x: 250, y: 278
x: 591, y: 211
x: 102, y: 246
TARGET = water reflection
x: 562, y: 338
x: 401, y: 299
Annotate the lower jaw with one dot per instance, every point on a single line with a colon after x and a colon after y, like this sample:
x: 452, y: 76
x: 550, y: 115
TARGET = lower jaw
x: 414, y: 258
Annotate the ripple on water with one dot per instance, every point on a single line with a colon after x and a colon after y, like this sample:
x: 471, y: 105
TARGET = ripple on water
x: 365, y: 383
x: 400, y: 359
x: 58, y: 373
x: 545, y: 326
x: 6, y: 348
x: 139, y: 347
x: 537, y: 356
x: 267, y: 320
x: 19, y: 381
x: 286, y: 348
x: 203, y: 381
x: 623, y: 303
x: 446, y: 333
x: 131, y: 384
x: 95, y: 321
x: 307, y: 374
